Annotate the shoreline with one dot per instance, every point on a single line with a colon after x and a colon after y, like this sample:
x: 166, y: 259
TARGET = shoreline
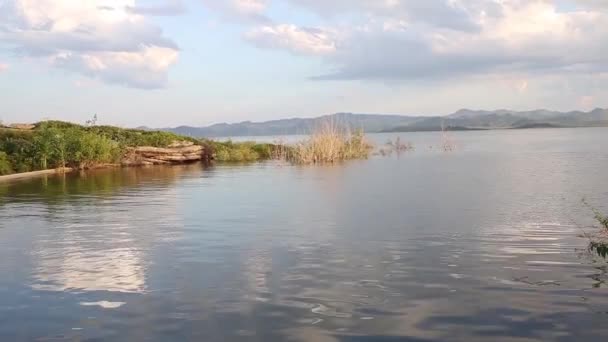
x: 34, y: 174
x: 66, y: 170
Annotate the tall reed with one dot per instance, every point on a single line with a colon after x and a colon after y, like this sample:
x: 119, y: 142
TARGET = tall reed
x: 330, y: 143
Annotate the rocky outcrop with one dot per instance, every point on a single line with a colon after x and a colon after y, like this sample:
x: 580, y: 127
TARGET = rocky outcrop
x: 20, y: 126
x: 176, y: 153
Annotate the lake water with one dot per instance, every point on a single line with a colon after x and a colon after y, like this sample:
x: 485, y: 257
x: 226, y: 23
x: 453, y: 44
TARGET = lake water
x: 478, y: 244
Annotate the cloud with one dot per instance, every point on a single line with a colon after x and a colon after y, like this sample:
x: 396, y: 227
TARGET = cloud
x: 144, y: 69
x: 439, y: 39
x: 167, y: 8
x: 3, y: 67
x: 299, y: 40
x: 453, y: 14
x: 594, y: 4
x: 100, y: 39
x: 587, y: 102
x: 240, y: 10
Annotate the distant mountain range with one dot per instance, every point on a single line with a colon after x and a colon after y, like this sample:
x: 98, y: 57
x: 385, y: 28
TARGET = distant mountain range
x: 463, y: 119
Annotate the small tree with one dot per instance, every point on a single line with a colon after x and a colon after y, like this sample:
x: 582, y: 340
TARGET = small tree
x: 92, y: 122
x: 5, y: 165
x: 44, y: 141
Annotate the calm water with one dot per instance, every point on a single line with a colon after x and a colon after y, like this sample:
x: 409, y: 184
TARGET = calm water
x: 479, y: 244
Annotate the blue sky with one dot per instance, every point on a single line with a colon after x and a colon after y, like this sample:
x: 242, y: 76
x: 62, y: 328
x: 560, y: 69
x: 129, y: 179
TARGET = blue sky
x: 172, y: 62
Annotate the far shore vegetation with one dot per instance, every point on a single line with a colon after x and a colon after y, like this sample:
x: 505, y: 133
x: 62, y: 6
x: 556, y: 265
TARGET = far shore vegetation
x: 57, y: 144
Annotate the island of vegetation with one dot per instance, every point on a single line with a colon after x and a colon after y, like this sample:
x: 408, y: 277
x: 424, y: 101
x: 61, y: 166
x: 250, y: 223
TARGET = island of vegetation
x: 60, y: 145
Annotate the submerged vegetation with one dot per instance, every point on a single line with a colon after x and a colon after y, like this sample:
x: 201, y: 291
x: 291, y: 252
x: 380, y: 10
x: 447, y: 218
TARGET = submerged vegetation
x: 395, y: 146
x: 598, y: 243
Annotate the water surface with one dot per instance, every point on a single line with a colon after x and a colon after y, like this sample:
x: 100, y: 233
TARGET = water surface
x: 477, y: 244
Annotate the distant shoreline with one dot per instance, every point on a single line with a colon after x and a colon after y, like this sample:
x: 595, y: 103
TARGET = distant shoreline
x: 462, y: 120
x: 464, y: 129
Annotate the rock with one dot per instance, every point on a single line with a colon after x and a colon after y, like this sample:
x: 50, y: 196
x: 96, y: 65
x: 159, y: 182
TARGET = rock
x: 176, y: 153
x: 26, y: 127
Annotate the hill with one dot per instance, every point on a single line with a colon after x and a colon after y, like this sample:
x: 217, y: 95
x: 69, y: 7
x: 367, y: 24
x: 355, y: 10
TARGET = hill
x: 463, y: 119
x: 367, y: 122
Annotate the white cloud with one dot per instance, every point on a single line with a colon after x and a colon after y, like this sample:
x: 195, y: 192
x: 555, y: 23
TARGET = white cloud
x: 3, y: 67
x: 587, y: 102
x: 250, y: 6
x: 142, y: 69
x: 295, y: 39
x: 407, y: 39
x: 594, y: 4
x: 101, y: 39
x: 248, y: 10
x: 164, y: 8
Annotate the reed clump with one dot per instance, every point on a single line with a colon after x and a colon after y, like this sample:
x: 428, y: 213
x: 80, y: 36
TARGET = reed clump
x: 396, y: 146
x: 598, y: 242
x: 330, y: 143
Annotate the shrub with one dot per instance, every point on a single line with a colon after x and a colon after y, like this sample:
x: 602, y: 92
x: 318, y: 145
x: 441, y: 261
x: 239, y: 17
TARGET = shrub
x: 599, y: 242
x: 228, y: 151
x: 53, y: 144
x: 5, y: 165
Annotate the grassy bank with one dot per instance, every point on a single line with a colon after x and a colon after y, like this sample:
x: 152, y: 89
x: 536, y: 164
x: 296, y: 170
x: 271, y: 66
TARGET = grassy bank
x: 228, y: 151
x: 55, y: 144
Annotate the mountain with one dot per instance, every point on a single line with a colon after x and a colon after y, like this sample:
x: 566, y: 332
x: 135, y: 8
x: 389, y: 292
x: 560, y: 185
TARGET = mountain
x: 367, y: 122
x: 464, y: 119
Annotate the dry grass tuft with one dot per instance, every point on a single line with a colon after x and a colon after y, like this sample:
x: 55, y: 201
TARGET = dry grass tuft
x: 447, y: 144
x: 330, y: 143
x: 396, y: 146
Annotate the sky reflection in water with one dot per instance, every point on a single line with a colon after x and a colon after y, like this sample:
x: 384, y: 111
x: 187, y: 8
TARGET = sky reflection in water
x: 475, y: 245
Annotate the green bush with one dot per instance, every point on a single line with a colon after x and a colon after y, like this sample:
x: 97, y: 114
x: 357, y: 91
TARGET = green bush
x: 133, y: 137
x: 53, y: 144
x: 228, y: 151
x: 19, y: 148
x: 5, y: 165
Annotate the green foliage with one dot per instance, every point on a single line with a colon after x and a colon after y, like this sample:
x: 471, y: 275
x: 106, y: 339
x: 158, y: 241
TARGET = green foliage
x: 84, y: 149
x: 19, y: 148
x: 264, y: 151
x: 53, y: 144
x: 603, y: 220
x: 229, y: 151
x: 601, y: 248
x: 599, y: 243
x: 5, y: 165
x: 61, y: 145
x: 134, y: 137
